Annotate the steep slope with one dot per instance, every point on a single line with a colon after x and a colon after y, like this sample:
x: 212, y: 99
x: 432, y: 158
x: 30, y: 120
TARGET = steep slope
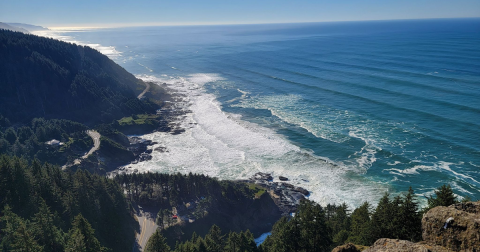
x: 42, y: 77
x: 12, y: 28
x: 28, y: 27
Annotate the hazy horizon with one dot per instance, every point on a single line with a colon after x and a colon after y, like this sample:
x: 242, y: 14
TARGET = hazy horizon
x: 108, y: 13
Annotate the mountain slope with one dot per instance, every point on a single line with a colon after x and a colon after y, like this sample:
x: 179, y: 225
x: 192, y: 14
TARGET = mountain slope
x: 12, y: 28
x: 28, y: 27
x: 42, y: 77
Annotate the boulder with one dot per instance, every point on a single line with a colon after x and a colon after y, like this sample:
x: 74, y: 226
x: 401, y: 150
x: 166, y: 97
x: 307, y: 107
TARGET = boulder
x: 395, y: 245
x: 349, y: 247
x: 456, y: 227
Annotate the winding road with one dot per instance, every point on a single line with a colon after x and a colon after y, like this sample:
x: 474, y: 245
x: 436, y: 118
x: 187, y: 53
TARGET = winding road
x: 144, y: 91
x: 96, y: 144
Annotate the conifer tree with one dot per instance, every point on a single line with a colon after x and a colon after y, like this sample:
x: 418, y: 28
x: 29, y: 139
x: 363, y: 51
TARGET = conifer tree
x: 360, y: 233
x: 410, y: 218
x: 157, y: 243
x: 214, y: 239
x: 48, y: 235
x: 17, y: 234
x: 81, y: 226
x: 382, y: 219
x: 444, y: 197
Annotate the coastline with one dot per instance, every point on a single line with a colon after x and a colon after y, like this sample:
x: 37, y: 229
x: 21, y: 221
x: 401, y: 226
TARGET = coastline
x: 222, y: 145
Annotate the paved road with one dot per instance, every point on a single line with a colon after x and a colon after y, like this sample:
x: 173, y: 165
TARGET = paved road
x: 147, y: 228
x: 144, y: 91
x: 96, y: 144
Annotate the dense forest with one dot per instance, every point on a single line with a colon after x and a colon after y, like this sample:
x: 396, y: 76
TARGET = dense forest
x: 317, y: 228
x: 28, y: 140
x: 233, y: 206
x: 56, y: 210
x: 42, y: 77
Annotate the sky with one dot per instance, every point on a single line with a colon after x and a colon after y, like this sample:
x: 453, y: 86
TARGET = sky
x: 118, y: 13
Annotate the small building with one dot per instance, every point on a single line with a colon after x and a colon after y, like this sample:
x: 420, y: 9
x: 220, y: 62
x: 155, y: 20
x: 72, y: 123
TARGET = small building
x: 174, y: 217
x: 54, y: 143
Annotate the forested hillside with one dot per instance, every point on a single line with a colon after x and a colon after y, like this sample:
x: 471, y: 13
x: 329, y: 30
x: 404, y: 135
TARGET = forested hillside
x: 42, y: 77
x: 46, y: 209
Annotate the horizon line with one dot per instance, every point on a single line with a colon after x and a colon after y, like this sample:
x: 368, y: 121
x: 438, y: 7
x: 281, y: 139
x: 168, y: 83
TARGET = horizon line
x: 158, y: 24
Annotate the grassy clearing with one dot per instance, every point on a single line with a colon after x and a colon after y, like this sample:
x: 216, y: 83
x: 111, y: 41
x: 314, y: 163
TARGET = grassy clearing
x: 258, y: 190
x: 137, y: 119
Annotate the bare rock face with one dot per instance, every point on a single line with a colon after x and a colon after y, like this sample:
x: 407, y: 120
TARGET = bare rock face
x: 395, y: 245
x: 456, y: 227
x: 346, y: 248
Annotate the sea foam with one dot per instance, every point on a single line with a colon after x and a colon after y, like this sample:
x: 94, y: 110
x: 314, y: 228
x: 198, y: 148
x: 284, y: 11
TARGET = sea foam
x: 222, y: 145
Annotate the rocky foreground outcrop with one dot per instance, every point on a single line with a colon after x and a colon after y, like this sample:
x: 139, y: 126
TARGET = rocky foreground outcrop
x: 349, y: 247
x: 444, y: 229
x: 456, y: 227
x: 395, y: 245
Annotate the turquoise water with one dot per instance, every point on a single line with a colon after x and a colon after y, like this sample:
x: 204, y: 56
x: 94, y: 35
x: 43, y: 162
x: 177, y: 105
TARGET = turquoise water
x: 348, y: 110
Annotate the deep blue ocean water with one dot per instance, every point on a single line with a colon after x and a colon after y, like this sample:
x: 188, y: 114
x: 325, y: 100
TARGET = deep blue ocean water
x: 358, y: 108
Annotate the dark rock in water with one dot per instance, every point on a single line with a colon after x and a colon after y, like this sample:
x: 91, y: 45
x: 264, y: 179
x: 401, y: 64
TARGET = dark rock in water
x: 286, y: 196
x: 302, y: 191
x: 139, y: 147
x: 283, y: 178
x: 262, y: 176
x: 160, y: 149
x: 177, y: 131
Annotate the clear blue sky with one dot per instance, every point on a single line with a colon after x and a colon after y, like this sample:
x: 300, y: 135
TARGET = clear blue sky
x: 172, y: 12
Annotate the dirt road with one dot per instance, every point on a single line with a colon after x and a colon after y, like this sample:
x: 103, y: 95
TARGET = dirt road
x: 144, y: 91
x: 96, y: 142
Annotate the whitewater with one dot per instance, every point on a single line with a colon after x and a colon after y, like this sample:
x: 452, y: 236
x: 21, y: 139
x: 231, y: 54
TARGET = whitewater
x: 348, y: 121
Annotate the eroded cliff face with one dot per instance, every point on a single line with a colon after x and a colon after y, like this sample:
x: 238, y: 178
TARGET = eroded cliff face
x: 456, y: 227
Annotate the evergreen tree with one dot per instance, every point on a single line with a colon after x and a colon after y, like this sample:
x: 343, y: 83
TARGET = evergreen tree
x: 81, y: 226
x: 233, y: 242
x: 444, y: 197
x: 214, y: 239
x: 76, y: 242
x: 16, y: 233
x: 410, y: 218
x: 48, y: 235
x: 157, y: 243
x: 382, y: 219
x: 360, y: 233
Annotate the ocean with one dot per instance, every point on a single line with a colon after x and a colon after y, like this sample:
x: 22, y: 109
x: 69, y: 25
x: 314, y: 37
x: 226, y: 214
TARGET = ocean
x: 347, y: 110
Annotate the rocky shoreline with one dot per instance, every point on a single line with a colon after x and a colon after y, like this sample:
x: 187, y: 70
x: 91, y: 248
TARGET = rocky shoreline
x: 286, y: 196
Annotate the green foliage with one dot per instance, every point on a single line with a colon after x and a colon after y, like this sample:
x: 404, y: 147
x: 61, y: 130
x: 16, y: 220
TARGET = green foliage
x: 43, y: 77
x: 360, y: 231
x: 410, y: 218
x: 306, y: 231
x: 444, y: 196
x: 42, y: 201
x: 82, y: 237
x: 215, y: 241
x: 157, y: 243
x: 382, y: 225
x: 29, y: 140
